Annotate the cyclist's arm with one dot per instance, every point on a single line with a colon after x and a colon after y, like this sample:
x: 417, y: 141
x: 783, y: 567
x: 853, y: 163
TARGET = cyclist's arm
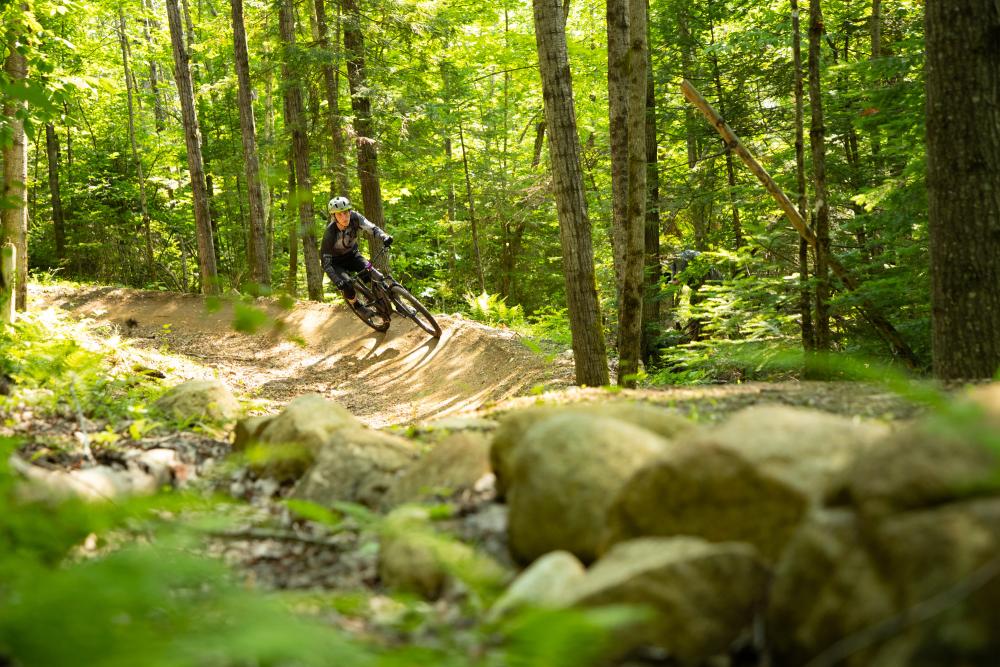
x: 370, y: 227
x: 326, y: 254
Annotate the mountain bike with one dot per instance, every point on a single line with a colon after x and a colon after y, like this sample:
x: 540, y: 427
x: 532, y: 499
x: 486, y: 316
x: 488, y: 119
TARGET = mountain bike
x: 381, y: 296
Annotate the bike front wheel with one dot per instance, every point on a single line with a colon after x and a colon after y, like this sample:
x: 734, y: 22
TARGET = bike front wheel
x: 409, y: 306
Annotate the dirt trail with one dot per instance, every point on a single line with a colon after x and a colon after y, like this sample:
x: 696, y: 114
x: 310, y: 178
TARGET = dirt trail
x: 398, y: 377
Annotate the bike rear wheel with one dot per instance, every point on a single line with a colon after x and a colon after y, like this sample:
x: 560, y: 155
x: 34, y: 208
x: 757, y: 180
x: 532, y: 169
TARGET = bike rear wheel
x: 375, y: 317
x: 409, y: 306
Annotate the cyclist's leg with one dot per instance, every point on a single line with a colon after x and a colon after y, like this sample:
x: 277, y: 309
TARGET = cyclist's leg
x: 342, y: 278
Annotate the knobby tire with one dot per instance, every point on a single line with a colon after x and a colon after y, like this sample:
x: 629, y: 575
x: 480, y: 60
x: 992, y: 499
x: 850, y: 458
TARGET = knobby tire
x: 414, y: 310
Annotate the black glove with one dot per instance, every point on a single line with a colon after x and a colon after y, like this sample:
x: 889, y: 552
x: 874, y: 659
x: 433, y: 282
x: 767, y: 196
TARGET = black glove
x: 387, y: 240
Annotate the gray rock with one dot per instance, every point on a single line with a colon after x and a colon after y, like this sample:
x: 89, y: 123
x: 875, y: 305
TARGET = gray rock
x: 548, y: 582
x: 920, y: 466
x: 827, y: 587
x: 414, y: 558
x: 247, y: 431
x: 95, y: 484
x: 806, y: 448
x: 913, y: 588
x: 197, y: 400
x: 355, y: 465
x: 289, y: 443
x: 936, y: 555
x: 565, y: 473
x: 514, y: 426
x: 308, y: 420
x: 455, y: 464
x: 710, y: 492
x: 704, y: 595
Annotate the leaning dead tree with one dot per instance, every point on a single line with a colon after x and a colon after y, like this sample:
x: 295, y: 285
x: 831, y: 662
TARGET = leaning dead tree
x: 875, y: 318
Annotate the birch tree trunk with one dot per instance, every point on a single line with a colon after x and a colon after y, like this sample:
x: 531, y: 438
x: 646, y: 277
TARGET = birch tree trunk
x: 821, y: 207
x: 58, y: 221
x: 295, y: 122
x: 574, y: 226
x: 361, y: 104
x: 963, y: 183
x: 260, y: 269
x: 192, y: 139
x: 126, y: 67
x: 15, y: 179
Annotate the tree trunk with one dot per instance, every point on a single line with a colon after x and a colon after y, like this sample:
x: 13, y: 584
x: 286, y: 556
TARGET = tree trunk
x: 472, y: 212
x: 15, y: 178
x: 361, y: 104
x: 821, y: 207
x: 618, y: 126
x: 292, y: 284
x: 260, y: 270
x: 8, y: 263
x: 268, y: 160
x: 651, y: 305
x: 147, y: 233
x: 58, y: 222
x: 574, y: 226
x: 452, y: 208
x: 295, y: 122
x: 630, y: 318
x: 339, y: 184
x: 963, y: 183
x: 192, y: 138
x: 730, y: 167
x: 876, y: 37
x: 154, y: 70
x: 536, y: 156
x: 805, y: 299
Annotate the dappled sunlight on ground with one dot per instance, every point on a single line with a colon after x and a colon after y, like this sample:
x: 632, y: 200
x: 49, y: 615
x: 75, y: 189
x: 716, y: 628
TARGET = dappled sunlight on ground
x: 400, y: 376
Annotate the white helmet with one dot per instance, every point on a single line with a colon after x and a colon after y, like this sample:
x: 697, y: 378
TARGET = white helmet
x: 338, y: 204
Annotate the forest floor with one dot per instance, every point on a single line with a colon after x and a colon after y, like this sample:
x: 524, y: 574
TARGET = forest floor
x: 403, y: 376
x: 400, y: 378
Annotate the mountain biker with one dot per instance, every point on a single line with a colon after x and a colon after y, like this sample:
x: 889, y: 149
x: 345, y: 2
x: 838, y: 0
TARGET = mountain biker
x: 339, y: 250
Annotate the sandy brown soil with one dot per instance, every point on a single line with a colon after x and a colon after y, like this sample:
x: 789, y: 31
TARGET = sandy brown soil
x: 399, y: 377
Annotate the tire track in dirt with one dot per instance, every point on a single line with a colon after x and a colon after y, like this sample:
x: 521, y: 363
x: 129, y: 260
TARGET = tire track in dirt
x: 399, y: 377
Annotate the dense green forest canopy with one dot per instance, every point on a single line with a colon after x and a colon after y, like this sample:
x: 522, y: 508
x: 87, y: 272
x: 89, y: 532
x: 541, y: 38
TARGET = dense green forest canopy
x: 458, y: 122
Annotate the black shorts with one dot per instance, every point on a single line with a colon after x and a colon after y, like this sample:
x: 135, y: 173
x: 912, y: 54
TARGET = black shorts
x: 342, y: 266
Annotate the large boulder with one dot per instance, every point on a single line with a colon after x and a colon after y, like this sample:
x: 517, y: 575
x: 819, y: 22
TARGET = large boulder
x: 913, y: 588
x: 455, y: 464
x: 827, y: 587
x: 548, y: 582
x: 806, y: 448
x: 513, y: 427
x: 284, y: 446
x: 946, y: 558
x: 710, y: 492
x: 414, y: 558
x: 199, y: 400
x: 308, y: 420
x: 920, y: 466
x: 355, y: 465
x: 564, y: 474
x: 704, y: 595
